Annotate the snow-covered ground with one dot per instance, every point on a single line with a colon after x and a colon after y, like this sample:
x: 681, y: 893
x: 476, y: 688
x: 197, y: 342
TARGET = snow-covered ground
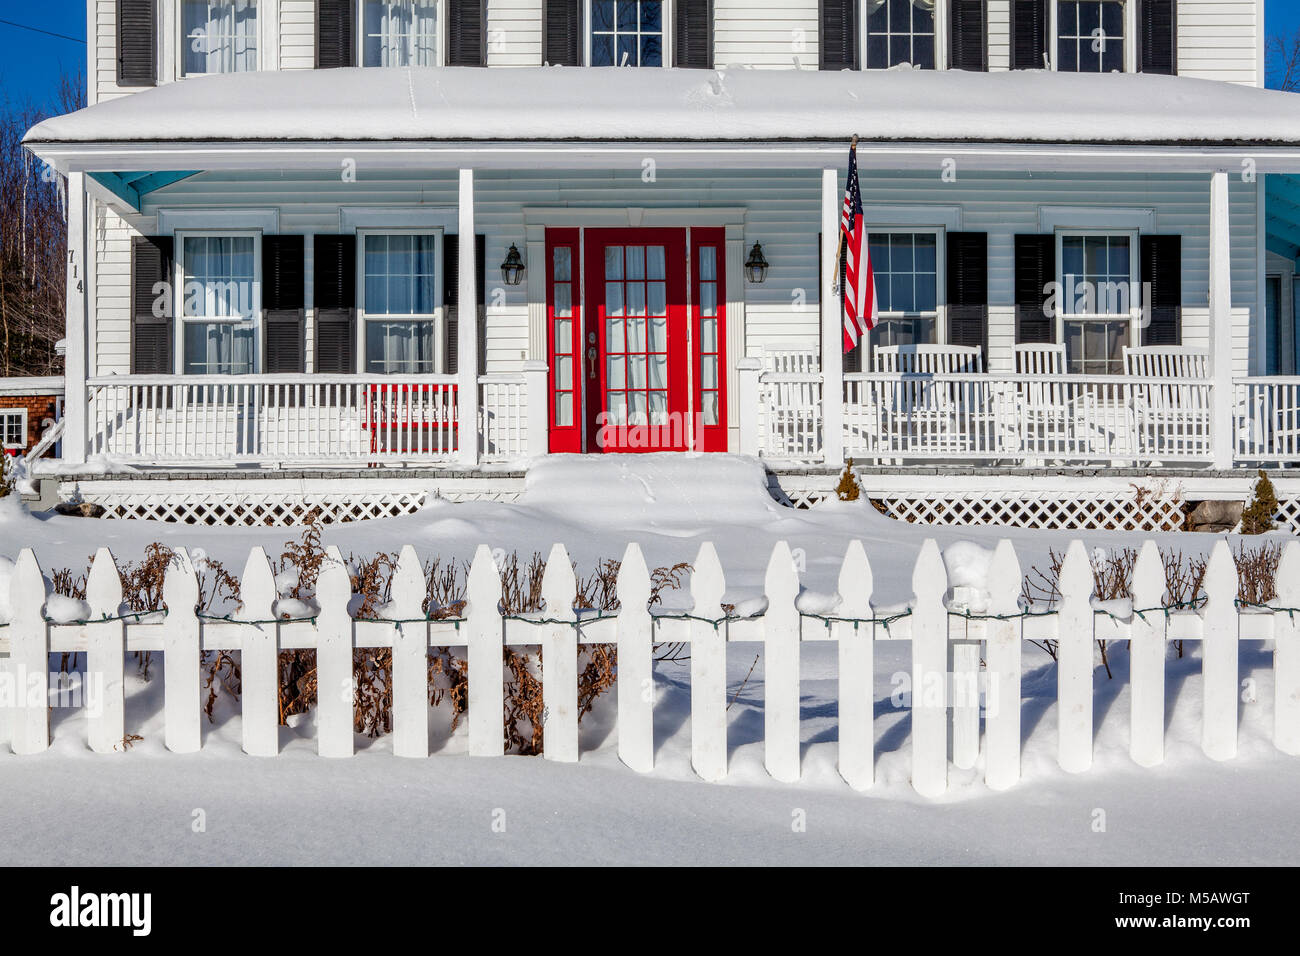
x: 298, y: 808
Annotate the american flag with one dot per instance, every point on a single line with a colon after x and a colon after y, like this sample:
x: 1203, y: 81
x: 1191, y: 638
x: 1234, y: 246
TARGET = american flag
x: 860, y: 285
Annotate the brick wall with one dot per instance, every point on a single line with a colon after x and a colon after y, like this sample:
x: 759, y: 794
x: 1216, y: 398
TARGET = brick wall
x: 39, y: 408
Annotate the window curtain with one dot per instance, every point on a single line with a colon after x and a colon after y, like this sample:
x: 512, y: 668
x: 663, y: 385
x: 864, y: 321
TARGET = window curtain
x: 219, y: 277
x: 401, y: 33
x: 399, y: 348
x: 220, y: 36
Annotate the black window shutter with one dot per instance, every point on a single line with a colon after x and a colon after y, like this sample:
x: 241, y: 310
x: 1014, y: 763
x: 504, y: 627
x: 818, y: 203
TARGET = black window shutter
x: 839, y: 33
x: 562, y: 33
x: 151, y: 280
x: 968, y: 35
x: 1158, y: 36
x: 693, y: 34
x: 335, y: 298
x: 451, y: 298
x: 1035, y: 268
x: 1029, y: 29
x: 283, y: 303
x: 467, y: 33
x: 1162, y: 273
x: 335, y: 43
x: 137, y: 43
x: 968, y: 289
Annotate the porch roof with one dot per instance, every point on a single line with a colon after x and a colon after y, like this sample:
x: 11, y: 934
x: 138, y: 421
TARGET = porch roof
x: 560, y: 105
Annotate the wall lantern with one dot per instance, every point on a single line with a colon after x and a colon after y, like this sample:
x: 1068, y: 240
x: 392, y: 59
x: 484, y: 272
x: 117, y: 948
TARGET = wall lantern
x: 756, y: 265
x: 512, y: 270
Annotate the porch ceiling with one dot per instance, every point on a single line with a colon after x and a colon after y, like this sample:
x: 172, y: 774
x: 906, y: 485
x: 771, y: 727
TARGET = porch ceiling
x: 567, y: 117
x: 1282, y: 225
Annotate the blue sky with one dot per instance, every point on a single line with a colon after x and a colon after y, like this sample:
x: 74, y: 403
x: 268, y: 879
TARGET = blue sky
x: 31, y: 63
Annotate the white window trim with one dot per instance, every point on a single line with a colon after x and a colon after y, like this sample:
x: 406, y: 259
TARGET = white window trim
x: 1130, y: 35
x: 940, y: 37
x: 940, y: 275
x: 178, y: 295
x: 666, y: 18
x: 439, y: 316
x: 268, y: 39
x: 5, y: 414
x: 1134, y: 266
x: 360, y: 27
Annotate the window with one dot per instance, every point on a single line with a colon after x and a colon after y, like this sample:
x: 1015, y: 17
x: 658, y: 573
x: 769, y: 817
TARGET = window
x: 1096, y: 301
x: 219, y: 304
x: 1090, y: 36
x: 905, y: 268
x: 563, y: 340
x: 218, y: 36
x: 636, y: 334
x: 627, y: 33
x: 13, y: 428
x: 709, y: 346
x: 899, y: 31
x: 399, y: 303
x: 399, y: 33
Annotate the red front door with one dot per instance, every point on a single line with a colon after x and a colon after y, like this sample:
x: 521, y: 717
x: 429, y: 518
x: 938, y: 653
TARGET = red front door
x: 635, y: 341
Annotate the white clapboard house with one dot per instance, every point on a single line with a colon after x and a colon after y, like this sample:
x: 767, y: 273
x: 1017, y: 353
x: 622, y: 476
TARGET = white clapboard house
x: 382, y: 237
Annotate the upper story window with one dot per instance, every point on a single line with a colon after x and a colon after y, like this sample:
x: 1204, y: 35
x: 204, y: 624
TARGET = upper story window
x: 1090, y: 36
x: 218, y: 36
x: 627, y: 33
x: 899, y: 31
x: 399, y: 33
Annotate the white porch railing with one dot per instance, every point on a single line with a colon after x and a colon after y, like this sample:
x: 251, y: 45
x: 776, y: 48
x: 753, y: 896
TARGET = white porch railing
x: 1267, y: 416
x: 300, y: 419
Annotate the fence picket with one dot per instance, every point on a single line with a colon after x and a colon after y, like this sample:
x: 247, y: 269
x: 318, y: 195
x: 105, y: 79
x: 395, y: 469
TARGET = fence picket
x: 259, y: 662
x: 1219, y: 655
x: 1286, y: 654
x: 1147, y: 661
x: 105, y: 655
x: 929, y: 673
x: 1074, y: 661
x: 857, y: 743
x: 636, y: 690
x: 410, y: 657
x: 1002, y: 714
x: 484, y: 651
x: 335, y: 686
x: 559, y: 660
x: 708, y: 668
x: 964, y: 704
x: 781, y: 667
x: 181, y: 656
x: 29, y: 656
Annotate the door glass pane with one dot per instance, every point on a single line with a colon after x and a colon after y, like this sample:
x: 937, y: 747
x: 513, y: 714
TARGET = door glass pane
x: 658, y: 297
x: 708, y: 263
x: 656, y: 259
x: 613, y: 298
x: 636, y: 371
x: 614, y: 372
x: 636, y: 334
x: 635, y: 256
x: 613, y: 262
x: 659, y: 371
x: 564, y: 371
x: 614, y: 335
x: 659, y: 334
x: 708, y: 335
x: 635, y: 297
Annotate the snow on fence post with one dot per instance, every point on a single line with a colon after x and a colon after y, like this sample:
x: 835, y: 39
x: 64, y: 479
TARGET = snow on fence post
x: 1002, y: 697
x: 335, y: 686
x: 259, y: 658
x: 1219, y: 655
x: 410, y: 657
x: 1286, y: 653
x: 708, y: 668
x: 485, y: 653
x: 857, y: 670
x: 29, y: 656
x: 781, y: 667
x: 636, y: 689
x: 1074, y: 621
x: 559, y: 660
x: 105, y: 656
x: 929, y: 673
x: 182, y: 652
x: 1147, y: 661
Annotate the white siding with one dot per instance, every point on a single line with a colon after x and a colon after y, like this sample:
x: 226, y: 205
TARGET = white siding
x: 999, y: 13
x: 111, y: 348
x: 1220, y: 39
x: 514, y: 33
x: 297, y: 34
x: 782, y: 214
x: 766, y: 33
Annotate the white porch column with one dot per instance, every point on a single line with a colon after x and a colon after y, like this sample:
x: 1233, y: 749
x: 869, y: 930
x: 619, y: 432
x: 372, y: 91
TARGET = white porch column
x: 467, y: 328
x: 747, y: 372
x: 832, y: 335
x: 537, y: 396
x: 1221, y: 321
x: 75, y: 361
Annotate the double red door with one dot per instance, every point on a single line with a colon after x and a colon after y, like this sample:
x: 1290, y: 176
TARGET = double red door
x: 635, y: 333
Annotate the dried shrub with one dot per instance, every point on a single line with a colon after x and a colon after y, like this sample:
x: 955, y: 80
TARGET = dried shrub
x: 1257, y: 572
x: 848, y: 489
x: 1258, y: 516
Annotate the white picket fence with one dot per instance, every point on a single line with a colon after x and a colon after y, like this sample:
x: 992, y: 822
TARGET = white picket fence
x: 946, y: 650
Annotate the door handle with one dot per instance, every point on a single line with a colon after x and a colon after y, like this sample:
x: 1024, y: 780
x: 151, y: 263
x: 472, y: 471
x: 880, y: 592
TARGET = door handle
x: 591, y: 364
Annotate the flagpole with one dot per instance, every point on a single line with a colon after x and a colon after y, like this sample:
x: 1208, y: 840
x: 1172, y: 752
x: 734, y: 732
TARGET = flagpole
x: 839, y: 246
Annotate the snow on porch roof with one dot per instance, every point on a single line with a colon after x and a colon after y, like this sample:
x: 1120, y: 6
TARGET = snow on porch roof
x: 669, y: 105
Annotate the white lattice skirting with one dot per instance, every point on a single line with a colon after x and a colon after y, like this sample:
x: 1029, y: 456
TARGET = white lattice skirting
x: 1098, y: 510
